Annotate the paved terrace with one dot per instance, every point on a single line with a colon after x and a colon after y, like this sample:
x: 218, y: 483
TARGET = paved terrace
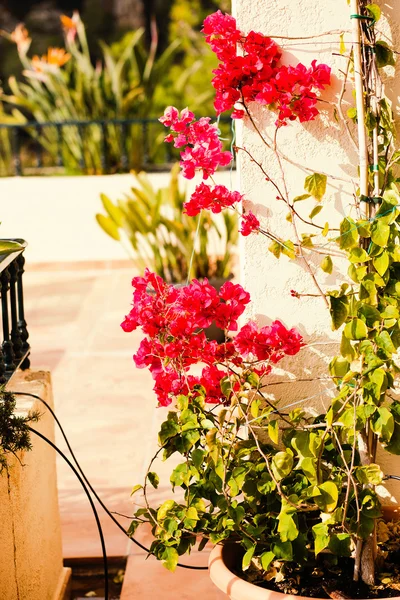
x: 108, y: 412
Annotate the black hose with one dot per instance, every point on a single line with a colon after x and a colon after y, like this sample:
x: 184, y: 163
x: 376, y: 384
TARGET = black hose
x: 195, y: 568
x: 96, y: 516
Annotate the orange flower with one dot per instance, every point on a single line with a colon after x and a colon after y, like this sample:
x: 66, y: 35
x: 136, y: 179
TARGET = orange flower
x: 70, y: 25
x: 55, y: 57
x: 20, y: 37
x: 67, y: 22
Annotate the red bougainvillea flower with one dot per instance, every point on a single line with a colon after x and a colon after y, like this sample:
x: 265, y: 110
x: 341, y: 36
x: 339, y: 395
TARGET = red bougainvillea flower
x: 203, y: 148
x: 249, y: 224
x: 269, y: 343
x: 210, y: 198
x: 250, y: 70
x: 173, y: 321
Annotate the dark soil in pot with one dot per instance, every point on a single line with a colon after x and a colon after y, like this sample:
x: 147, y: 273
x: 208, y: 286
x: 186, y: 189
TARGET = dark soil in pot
x: 327, y: 580
x: 329, y: 576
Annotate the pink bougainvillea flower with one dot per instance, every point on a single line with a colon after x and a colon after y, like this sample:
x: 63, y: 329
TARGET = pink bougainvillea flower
x: 249, y: 224
x: 173, y: 321
x: 210, y: 198
x: 202, y: 147
x: 250, y: 70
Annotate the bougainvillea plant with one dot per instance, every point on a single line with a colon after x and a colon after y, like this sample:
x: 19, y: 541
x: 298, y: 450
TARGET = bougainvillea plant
x: 296, y: 489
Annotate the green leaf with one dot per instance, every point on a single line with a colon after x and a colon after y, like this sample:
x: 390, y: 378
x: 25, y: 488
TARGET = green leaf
x: 315, y: 211
x: 338, y: 366
x: 381, y: 263
x: 266, y: 559
x: 339, y: 309
x: 164, y: 509
x: 356, y: 329
x: 113, y: 211
x: 348, y: 234
x: 346, y: 349
x: 108, y: 225
x: 328, y: 499
x: 340, y: 544
x: 7, y: 247
x: 136, y: 488
x: 181, y: 475
x: 342, y: 45
x: 380, y: 233
x: 168, y: 430
x: 287, y: 528
x: 321, y: 537
x: 282, y: 464
x: 384, y: 55
x: 369, y: 474
x: 315, y: 184
x: 283, y: 550
x: 374, y: 11
x: 358, y: 255
x: 153, y: 478
x: 394, y: 445
x: 352, y: 113
x: 370, y: 314
x: 309, y: 468
x: 191, y: 518
x: 386, y: 116
x: 369, y: 292
x: 288, y: 249
x: 226, y: 386
x: 327, y: 265
x: 382, y: 423
x: 302, y: 197
x: 170, y: 558
x: 247, y: 557
x: 306, y: 444
x: 182, y: 402
x: 384, y: 341
x: 325, y: 230
x: 275, y: 249
x: 273, y: 431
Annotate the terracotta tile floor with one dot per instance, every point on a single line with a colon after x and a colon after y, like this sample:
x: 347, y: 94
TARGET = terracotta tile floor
x: 108, y: 412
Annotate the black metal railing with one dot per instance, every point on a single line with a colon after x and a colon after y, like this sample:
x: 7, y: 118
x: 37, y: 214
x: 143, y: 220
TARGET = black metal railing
x: 96, y: 146
x: 15, y: 349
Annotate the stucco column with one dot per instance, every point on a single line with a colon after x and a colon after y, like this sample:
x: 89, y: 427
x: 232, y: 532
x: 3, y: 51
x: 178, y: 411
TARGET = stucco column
x: 319, y: 146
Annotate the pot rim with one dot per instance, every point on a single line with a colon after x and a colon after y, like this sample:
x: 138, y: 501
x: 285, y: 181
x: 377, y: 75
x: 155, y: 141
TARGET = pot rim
x: 220, y: 562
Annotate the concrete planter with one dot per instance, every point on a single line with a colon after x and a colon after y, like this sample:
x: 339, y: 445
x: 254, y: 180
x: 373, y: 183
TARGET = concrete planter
x: 223, y: 559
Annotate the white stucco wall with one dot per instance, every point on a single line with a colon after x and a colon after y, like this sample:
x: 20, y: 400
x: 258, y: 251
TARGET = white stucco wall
x: 56, y: 215
x: 322, y: 146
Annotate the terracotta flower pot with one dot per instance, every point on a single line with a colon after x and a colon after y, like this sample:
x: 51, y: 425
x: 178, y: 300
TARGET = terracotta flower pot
x: 223, y: 559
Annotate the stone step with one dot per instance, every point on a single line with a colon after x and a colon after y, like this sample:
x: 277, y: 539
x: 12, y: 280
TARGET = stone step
x: 146, y: 579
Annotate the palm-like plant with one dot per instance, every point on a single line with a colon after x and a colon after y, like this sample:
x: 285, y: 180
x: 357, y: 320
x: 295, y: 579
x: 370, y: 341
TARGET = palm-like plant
x: 157, y: 234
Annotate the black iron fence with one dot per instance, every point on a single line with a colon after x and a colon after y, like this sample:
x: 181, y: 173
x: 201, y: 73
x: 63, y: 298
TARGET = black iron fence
x: 88, y: 147
x: 14, y: 350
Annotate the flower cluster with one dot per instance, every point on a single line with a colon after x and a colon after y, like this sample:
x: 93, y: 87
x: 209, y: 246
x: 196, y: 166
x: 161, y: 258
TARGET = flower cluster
x: 55, y: 58
x: 256, y: 75
x: 249, y: 223
x: 203, y: 148
x: 173, y: 320
x: 20, y: 37
x: 210, y: 198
